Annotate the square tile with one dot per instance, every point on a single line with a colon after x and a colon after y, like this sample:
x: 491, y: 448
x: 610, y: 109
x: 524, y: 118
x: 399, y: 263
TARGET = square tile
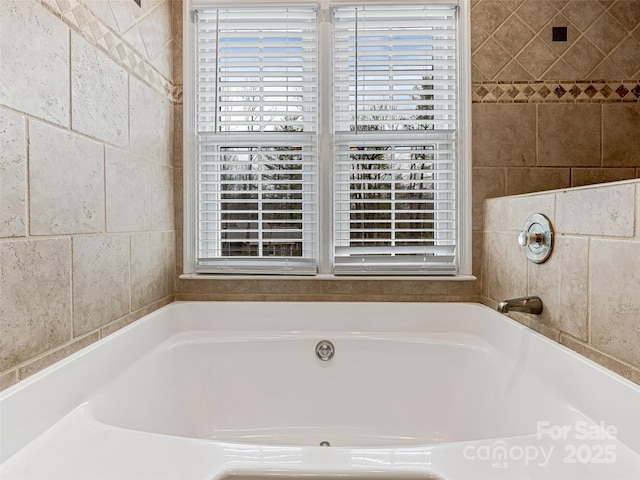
x: 35, y: 298
x: 512, y: 35
x: 522, y: 206
x: 161, y: 185
x: 627, y: 57
x: 514, y: 71
x: 536, y: 14
x: 496, y: 210
x: 150, y: 123
x: 489, y: 14
x: 606, y: 33
x: 66, y: 182
x: 562, y: 284
x: 621, y: 134
x: 99, y: 93
x: 583, y: 57
x: 102, y: 10
x: 128, y: 192
x: 591, y: 176
x: 478, y: 36
x: 537, y: 57
x: 505, y: 271
x: 34, y: 65
x: 151, y: 268
x: 529, y: 180
x: 614, y: 302
x: 487, y: 183
x: 100, y: 281
x: 504, y: 135
x: 569, y: 135
x: 155, y: 28
x: 610, y: 211
x: 627, y: 13
x: 582, y: 14
x: 123, y: 12
x: 13, y: 173
x: 490, y: 58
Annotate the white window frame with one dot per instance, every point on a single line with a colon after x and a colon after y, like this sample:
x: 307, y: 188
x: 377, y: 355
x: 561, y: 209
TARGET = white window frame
x: 325, y: 147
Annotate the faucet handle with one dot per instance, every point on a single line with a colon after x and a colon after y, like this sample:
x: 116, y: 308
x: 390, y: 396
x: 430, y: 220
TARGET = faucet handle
x: 527, y: 237
x: 537, y: 238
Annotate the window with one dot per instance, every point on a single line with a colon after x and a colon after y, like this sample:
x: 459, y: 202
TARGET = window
x: 256, y: 127
x: 382, y: 126
x: 395, y: 144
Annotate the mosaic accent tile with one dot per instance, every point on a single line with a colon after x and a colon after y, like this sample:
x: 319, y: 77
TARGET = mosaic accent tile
x: 544, y: 91
x: 575, y: 91
x: 606, y: 91
x: 622, y: 91
x: 177, y: 94
x: 513, y: 92
x: 591, y: 91
x: 497, y: 92
x: 75, y: 14
x: 559, y: 91
x: 569, y: 92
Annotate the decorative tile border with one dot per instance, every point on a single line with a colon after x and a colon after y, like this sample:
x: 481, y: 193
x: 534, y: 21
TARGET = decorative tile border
x: 556, y: 92
x: 77, y: 16
x: 177, y: 94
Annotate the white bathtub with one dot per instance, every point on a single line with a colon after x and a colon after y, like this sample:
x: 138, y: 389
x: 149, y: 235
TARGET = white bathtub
x: 235, y: 390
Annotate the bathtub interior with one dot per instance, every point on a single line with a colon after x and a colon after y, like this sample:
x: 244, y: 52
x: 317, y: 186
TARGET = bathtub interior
x: 410, y: 388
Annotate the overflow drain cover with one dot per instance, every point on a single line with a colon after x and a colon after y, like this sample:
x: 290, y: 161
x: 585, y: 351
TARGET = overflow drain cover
x: 325, y: 350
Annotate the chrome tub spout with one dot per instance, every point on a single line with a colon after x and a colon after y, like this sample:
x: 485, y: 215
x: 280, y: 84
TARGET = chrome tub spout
x: 523, y: 304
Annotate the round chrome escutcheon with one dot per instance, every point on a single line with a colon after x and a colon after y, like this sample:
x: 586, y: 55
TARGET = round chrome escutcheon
x: 537, y: 238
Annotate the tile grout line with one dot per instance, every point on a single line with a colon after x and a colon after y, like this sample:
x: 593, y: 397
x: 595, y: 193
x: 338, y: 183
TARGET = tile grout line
x: 27, y: 179
x: 601, y: 136
x: 589, y: 291
x: 71, y: 296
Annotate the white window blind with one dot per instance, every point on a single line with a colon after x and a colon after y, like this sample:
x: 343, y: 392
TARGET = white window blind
x: 256, y: 85
x: 395, y: 139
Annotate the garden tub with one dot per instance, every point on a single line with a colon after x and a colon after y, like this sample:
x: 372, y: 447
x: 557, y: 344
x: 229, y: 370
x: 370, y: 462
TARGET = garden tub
x: 217, y: 390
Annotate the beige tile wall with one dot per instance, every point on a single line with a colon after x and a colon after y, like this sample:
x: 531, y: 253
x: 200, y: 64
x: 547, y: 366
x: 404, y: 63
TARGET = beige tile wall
x: 550, y: 115
x: 87, y: 238
x: 590, y: 285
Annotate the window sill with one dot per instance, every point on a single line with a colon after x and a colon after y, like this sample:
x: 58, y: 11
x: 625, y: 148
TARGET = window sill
x: 327, y: 276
